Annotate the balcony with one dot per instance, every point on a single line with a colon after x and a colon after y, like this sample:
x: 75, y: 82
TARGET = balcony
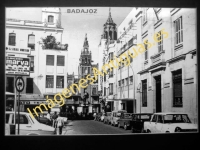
x: 157, y: 58
x: 50, y: 46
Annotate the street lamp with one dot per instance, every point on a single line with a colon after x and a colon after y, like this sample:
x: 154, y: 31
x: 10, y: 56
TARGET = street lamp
x: 133, y: 82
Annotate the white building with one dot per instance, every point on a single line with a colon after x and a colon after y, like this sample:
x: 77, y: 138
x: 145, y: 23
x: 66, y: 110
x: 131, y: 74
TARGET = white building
x: 48, y: 62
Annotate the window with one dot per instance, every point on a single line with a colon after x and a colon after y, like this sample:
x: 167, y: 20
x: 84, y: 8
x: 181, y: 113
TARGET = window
x: 104, y: 76
x: 119, y: 83
x: 111, y: 73
x: 29, y: 85
x: 60, y: 82
x: 144, y: 16
x: 131, y: 79
x: 31, y: 41
x: 160, y: 43
x: 60, y: 60
x: 83, y: 70
x: 111, y: 88
x: 154, y: 118
x: 88, y: 61
x: 122, y: 82
x: 144, y: 93
x: 131, y: 59
x: 49, y: 81
x: 160, y: 120
x: 88, y: 70
x: 7, y: 118
x: 126, y: 81
x: 94, y: 91
x: 85, y: 60
x: 146, y: 51
x: 12, y: 38
x: 104, y: 91
x: 10, y: 84
x: 50, y: 19
x: 178, y: 31
x: 111, y: 56
x: 50, y: 60
x: 177, y: 88
x: 31, y: 63
x: 23, y: 119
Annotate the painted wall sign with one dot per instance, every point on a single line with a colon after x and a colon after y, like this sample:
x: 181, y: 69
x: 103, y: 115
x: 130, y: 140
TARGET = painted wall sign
x: 18, y: 66
x: 14, y: 49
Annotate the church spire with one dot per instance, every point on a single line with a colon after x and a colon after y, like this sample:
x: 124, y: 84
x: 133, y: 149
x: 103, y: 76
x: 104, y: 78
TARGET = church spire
x: 86, y: 45
x: 109, y: 17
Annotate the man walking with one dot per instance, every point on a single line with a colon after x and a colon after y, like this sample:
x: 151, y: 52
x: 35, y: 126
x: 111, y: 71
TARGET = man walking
x: 60, y: 123
x: 54, y: 117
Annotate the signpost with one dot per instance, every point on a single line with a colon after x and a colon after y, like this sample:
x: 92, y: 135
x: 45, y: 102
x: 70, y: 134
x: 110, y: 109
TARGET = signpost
x: 19, y: 84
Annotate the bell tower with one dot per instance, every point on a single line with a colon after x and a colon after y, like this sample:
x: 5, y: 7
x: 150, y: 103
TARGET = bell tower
x: 110, y: 31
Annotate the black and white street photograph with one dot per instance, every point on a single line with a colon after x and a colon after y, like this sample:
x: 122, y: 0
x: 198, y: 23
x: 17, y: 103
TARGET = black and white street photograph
x: 100, y: 71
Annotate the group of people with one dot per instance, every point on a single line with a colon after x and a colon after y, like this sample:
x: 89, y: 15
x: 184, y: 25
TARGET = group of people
x: 57, y: 121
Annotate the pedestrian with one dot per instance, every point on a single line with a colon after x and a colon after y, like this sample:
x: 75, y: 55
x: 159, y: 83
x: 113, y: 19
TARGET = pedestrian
x: 60, y: 123
x: 54, y: 117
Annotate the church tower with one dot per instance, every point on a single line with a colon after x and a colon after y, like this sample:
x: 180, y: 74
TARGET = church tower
x: 52, y: 16
x: 110, y: 31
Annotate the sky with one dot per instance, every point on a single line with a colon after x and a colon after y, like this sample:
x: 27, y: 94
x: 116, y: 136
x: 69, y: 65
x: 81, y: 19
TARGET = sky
x: 76, y: 25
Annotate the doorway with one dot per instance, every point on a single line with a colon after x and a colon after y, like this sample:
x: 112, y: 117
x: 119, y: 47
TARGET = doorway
x: 158, y: 94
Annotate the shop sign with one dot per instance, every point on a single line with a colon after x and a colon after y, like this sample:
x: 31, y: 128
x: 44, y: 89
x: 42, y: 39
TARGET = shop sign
x: 14, y: 49
x: 18, y: 66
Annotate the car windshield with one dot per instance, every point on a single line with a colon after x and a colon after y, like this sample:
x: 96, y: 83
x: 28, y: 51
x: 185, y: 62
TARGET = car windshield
x: 176, y: 118
x: 144, y: 117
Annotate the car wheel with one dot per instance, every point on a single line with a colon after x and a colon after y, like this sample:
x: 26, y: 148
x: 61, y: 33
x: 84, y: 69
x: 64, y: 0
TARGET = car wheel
x: 178, y: 129
x: 125, y: 126
x: 119, y: 125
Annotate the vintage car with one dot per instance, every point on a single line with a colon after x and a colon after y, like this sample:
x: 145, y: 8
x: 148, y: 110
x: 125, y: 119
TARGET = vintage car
x: 169, y: 123
x: 137, y: 122
x: 115, y: 115
x: 107, y: 117
x: 28, y: 125
x: 124, y: 120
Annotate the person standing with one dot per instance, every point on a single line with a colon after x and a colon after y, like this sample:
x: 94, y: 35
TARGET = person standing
x: 54, y: 117
x: 60, y: 123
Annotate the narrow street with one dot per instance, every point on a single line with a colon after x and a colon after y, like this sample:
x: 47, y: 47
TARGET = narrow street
x: 91, y: 127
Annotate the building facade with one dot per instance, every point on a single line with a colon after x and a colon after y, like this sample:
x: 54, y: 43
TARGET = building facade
x: 163, y: 72
x: 48, y: 57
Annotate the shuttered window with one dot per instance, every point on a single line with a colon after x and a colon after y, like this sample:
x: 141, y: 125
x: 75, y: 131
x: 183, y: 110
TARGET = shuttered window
x: 50, y: 60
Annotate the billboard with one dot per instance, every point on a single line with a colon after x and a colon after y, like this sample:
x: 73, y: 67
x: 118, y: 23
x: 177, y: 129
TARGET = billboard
x: 17, y: 66
x: 14, y: 49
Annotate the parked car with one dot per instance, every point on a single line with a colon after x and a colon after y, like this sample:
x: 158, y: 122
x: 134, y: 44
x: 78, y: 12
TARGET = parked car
x: 115, y: 115
x: 124, y: 120
x: 28, y: 125
x: 102, y: 117
x: 107, y: 117
x: 169, y: 123
x: 137, y: 122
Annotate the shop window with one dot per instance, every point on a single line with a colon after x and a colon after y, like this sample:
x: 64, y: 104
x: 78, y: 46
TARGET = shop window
x: 31, y: 41
x: 29, y: 85
x: 10, y: 84
x: 49, y: 81
x: 144, y: 93
x: 12, y: 38
x: 50, y: 60
x: 178, y: 31
x: 60, y: 82
x: 50, y: 19
x: 60, y: 60
x: 177, y: 88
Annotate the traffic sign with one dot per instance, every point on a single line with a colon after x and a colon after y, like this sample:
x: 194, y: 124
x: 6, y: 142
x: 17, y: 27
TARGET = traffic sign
x: 19, y: 84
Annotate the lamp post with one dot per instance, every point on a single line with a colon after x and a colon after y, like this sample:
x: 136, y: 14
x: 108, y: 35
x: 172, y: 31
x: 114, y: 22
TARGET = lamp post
x: 139, y: 90
x: 133, y: 83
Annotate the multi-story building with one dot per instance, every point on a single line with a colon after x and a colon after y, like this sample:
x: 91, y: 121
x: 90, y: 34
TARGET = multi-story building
x: 163, y: 73
x: 85, y: 68
x: 107, y: 49
x: 48, y: 57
